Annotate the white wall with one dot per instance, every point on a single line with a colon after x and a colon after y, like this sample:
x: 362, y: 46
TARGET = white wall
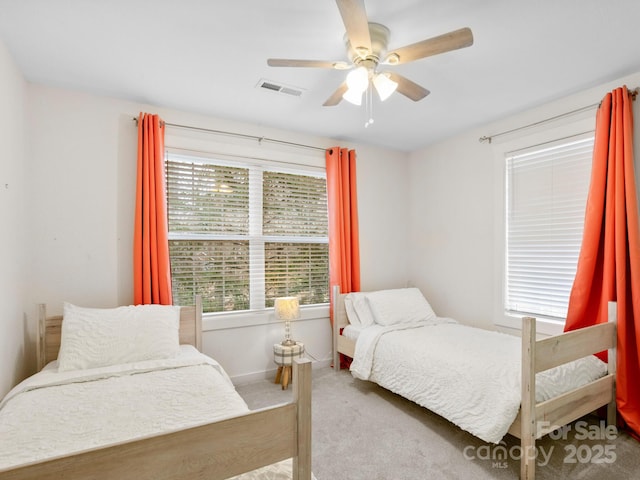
x: 384, y: 218
x: 451, y: 227
x: 455, y: 218
x: 13, y: 334
x: 82, y: 185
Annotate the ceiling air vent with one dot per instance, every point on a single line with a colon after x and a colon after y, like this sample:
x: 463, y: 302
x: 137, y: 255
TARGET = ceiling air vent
x: 278, y: 87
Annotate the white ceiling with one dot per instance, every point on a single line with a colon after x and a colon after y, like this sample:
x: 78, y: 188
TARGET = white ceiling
x: 207, y: 56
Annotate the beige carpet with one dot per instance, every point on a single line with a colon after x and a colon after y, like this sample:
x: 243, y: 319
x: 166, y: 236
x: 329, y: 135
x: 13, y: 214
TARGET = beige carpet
x: 363, y: 432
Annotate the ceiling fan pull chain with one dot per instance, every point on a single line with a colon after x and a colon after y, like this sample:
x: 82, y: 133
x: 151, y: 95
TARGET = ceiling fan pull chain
x: 369, y: 106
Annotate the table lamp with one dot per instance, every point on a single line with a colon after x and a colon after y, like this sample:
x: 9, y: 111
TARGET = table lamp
x: 287, y: 309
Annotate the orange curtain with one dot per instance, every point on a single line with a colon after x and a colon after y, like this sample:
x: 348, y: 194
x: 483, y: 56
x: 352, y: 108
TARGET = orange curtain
x: 344, y: 243
x: 151, y: 268
x: 609, y: 262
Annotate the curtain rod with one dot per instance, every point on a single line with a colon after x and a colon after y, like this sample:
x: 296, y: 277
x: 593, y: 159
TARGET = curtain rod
x: 239, y: 135
x: 488, y: 138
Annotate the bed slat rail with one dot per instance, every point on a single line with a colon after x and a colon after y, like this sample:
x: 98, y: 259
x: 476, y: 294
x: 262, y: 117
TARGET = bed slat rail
x: 563, y: 409
x: 211, y: 454
x: 554, y: 351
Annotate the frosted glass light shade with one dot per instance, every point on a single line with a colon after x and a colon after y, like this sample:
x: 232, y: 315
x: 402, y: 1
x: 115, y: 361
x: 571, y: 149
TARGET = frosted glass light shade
x: 353, y: 96
x: 358, y: 79
x: 358, y: 82
x: 384, y: 86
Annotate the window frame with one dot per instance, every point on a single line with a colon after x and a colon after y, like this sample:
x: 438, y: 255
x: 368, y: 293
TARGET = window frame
x: 298, y: 160
x: 553, y: 132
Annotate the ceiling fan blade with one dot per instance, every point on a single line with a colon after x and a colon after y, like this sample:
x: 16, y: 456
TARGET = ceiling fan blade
x: 408, y: 88
x: 433, y: 46
x: 336, y: 96
x: 285, y: 62
x: 354, y: 17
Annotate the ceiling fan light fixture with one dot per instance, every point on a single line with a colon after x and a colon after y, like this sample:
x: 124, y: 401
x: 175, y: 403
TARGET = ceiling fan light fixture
x: 367, y: 46
x: 384, y: 86
x: 353, y: 96
x: 358, y: 79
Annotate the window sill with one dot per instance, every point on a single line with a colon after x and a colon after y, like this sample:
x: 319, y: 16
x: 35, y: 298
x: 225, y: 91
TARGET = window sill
x: 231, y: 320
x: 544, y: 326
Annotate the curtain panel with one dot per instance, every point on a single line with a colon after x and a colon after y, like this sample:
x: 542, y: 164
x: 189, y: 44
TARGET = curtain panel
x: 344, y: 242
x: 151, y: 266
x: 344, y: 239
x: 609, y: 262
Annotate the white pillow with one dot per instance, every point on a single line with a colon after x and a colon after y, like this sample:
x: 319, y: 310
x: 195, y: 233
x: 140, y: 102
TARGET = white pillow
x: 358, y: 310
x: 401, y: 305
x: 99, y: 337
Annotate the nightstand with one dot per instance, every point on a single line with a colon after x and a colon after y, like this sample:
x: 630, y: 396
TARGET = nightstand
x: 283, y: 356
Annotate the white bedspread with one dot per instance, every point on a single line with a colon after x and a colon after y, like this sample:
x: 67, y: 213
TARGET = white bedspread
x: 467, y: 375
x: 55, y: 413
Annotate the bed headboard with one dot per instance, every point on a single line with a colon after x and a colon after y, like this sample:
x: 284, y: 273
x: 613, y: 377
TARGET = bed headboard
x: 50, y: 329
x: 340, y: 320
x: 339, y: 312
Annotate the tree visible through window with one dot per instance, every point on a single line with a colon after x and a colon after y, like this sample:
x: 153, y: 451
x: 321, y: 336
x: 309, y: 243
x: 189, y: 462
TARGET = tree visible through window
x: 242, y: 235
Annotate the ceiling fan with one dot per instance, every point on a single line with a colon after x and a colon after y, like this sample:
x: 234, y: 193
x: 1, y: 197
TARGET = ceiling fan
x: 366, y: 44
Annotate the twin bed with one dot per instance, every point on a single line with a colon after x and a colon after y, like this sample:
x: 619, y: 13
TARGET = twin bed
x: 133, y: 398
x: 487, y: 383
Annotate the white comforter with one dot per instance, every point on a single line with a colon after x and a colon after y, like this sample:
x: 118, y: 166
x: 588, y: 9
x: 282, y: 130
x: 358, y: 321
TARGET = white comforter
x: 54, y: 413
x: 467, y: 375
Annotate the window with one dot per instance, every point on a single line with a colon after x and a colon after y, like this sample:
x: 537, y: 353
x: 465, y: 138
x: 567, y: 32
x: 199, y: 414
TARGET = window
x: 241, y: 235
x: 546, y: 192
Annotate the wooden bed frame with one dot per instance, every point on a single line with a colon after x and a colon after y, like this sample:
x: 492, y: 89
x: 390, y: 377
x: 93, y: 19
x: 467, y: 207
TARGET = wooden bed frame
x: 214, y: 450
x: 536, y: 419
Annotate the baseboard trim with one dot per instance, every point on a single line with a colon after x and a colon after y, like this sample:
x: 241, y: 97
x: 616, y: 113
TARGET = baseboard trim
x: 271, y: 373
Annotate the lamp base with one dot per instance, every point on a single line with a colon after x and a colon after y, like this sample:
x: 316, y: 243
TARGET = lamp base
x: 287, y: 342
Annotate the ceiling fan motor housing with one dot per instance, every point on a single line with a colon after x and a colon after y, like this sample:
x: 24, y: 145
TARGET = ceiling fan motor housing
x: 379, y: 41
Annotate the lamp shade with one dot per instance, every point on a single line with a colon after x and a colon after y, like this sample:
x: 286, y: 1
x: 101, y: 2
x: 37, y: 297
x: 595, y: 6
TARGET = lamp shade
x: 287, y: 308
x: 358, y: 79
x: 357, y: 83
x: 353, y: 96
x: 384, y: 86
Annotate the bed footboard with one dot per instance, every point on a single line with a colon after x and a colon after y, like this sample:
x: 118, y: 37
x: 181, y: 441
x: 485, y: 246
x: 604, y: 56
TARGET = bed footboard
x: 538, y: 419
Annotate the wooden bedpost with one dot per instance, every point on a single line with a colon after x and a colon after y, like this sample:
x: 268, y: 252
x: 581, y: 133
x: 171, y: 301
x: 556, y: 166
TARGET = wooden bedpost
x: 612, y: 364
x: 528, y: 407
x: 302, y: 399
x: 40, y: 345
x: 335, y: 329
x: 198, y: 318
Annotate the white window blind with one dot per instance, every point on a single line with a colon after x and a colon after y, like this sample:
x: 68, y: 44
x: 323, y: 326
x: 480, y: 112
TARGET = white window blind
x: 242, y: 235
x: 546, y: 189
x: 295, y: 225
